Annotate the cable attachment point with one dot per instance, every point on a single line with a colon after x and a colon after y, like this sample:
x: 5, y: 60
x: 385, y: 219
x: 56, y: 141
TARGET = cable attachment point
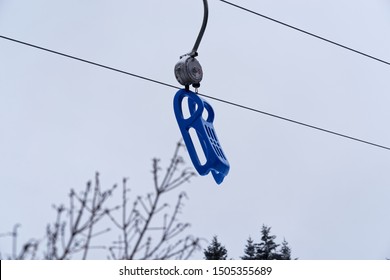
x: 188, y: 71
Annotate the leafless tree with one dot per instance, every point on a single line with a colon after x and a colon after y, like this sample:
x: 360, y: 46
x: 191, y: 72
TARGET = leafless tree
x: 28, y: 250
x: 148, y: 228
x: 74, y: 226
x: 141, y: 238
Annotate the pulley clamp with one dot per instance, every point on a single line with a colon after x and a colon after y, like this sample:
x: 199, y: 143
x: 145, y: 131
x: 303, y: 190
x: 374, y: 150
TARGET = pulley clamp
x: 188, y: 71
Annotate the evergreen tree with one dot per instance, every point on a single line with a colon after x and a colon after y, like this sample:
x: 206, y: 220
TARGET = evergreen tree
x: 285, y: 251
x: 215, y: 251
x: 267, y: 249
x: 250, y: 250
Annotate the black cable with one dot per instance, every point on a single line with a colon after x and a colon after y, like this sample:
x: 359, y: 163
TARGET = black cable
x: 204, y: 95
x: 296, y: 122
x: 202, y: 29
x: 87, y: 61
x: 306, y: 32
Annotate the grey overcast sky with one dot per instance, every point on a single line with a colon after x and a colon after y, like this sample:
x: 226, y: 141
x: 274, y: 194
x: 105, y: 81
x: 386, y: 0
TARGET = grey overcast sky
x: 62, y: 120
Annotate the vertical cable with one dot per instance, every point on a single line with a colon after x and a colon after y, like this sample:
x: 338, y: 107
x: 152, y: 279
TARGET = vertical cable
x: 194, y: 51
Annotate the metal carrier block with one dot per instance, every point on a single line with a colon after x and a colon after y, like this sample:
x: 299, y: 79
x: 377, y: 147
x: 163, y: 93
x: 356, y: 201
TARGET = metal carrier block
x: 188, y: 71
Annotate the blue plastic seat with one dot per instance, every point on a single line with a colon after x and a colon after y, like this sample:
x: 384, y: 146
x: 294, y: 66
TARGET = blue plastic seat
x: 216, y: 161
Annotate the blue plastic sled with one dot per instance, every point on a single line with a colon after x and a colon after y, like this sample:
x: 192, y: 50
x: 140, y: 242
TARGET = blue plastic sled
x: 216, y: 161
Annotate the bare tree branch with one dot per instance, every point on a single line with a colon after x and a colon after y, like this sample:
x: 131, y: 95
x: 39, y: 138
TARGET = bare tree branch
x: 149, y: 240
x: 148, y: 228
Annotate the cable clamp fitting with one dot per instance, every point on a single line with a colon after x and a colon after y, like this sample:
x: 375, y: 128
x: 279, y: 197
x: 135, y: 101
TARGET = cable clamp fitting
x: 188, y: 71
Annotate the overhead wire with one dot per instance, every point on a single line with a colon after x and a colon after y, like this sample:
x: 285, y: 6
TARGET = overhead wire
x: 204, y: 95
x: 306, y: 32
x: 86, y: 61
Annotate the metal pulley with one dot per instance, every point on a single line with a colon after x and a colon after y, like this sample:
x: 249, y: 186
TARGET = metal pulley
x: 188, y: 71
